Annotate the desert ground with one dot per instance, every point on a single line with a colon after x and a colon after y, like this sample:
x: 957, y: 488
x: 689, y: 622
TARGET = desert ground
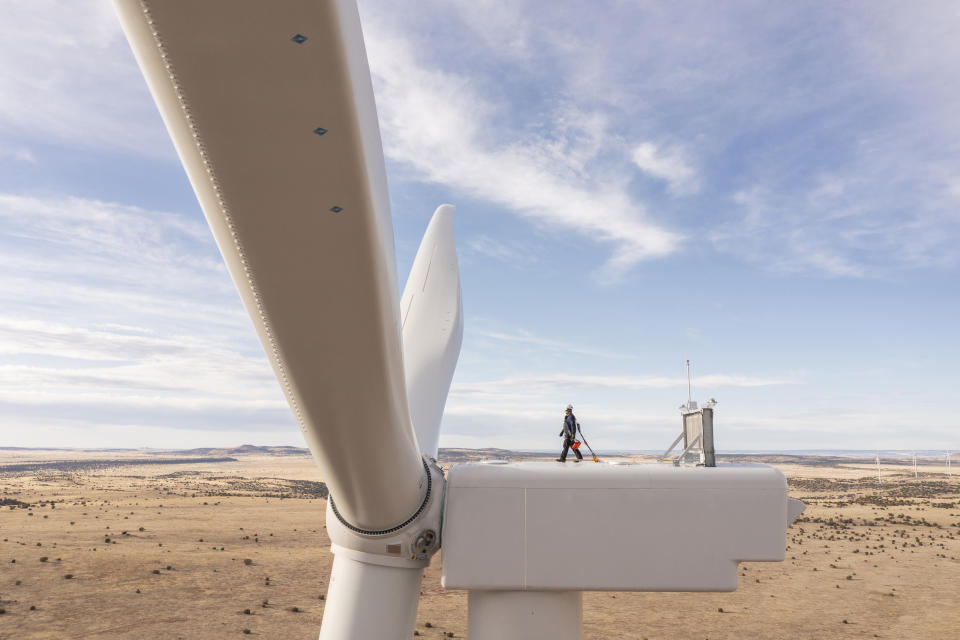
x: 231, y: 543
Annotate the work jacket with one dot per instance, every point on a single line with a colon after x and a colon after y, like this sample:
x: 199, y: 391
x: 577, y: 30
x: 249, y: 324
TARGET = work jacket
x: 570, y: 426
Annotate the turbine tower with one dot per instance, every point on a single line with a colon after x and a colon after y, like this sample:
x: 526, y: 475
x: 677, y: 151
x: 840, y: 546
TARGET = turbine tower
x: 271, y: 110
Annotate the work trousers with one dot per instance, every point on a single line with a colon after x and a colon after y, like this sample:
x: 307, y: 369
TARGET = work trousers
x: 567, y: 442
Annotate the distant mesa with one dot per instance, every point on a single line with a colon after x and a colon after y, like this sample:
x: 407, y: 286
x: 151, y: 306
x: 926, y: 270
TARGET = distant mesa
x: 83, y: 465
x: 247, y: 449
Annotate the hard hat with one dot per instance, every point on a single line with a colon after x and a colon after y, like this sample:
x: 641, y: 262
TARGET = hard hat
x: 569, y: 407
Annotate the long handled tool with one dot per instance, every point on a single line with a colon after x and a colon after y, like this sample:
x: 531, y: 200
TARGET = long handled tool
x: 595, y: 458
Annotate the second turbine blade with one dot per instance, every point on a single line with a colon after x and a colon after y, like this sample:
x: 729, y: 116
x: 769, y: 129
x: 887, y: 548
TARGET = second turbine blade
x: 432, y: 324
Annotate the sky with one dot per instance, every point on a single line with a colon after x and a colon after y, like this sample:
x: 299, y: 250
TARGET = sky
x: 771, y: 190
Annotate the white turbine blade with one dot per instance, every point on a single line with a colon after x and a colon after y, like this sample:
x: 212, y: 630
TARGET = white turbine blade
x: 271, y: 110
x: 432, y: 327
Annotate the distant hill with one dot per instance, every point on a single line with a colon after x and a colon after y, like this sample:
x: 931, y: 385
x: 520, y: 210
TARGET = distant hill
x: 247, y: 449
x: 446, y: 456
x: 71, y: 466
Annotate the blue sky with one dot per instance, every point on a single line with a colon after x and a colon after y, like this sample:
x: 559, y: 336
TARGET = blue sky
x: 770, y: 190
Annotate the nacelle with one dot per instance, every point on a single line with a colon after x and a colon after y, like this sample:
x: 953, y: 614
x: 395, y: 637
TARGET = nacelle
x: 599, y: 527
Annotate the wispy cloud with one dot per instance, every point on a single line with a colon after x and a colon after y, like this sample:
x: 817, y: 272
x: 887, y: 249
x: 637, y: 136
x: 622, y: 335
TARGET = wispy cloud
x: 668, y: 165
x: 108, y: 376
x: 525, y: 337
x: 843, y: 228
x: 66, y: 75
x: 501, y: 25
x: 437, y: 124
x: 111, y: 343
x: 855, y: 99
x: 119, y: 315
x: 499, y: 249
x: 18, y: 153
x: 76, y: 225
x: 539, y: 383
x: 110, y: 261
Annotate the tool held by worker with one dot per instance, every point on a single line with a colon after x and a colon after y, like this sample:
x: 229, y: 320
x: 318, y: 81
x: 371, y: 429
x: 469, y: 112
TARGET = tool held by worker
x: 576, y: 445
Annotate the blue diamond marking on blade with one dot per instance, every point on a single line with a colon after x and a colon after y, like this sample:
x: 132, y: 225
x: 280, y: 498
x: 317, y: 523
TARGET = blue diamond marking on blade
x: 299, y: 38
x: 319, y: 131
x: 336, y: 209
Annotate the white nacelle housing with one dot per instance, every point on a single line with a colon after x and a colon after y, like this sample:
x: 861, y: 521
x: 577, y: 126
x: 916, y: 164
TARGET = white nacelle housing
x: 639, y: 527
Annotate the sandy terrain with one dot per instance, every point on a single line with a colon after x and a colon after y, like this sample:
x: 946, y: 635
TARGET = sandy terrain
x: 212, y: 543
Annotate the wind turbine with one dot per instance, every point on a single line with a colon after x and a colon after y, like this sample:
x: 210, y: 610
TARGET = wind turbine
x: 271, y: 110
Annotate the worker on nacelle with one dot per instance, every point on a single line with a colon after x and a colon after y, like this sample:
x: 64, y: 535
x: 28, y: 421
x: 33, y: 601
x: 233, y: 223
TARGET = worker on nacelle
x: 569, y: 435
